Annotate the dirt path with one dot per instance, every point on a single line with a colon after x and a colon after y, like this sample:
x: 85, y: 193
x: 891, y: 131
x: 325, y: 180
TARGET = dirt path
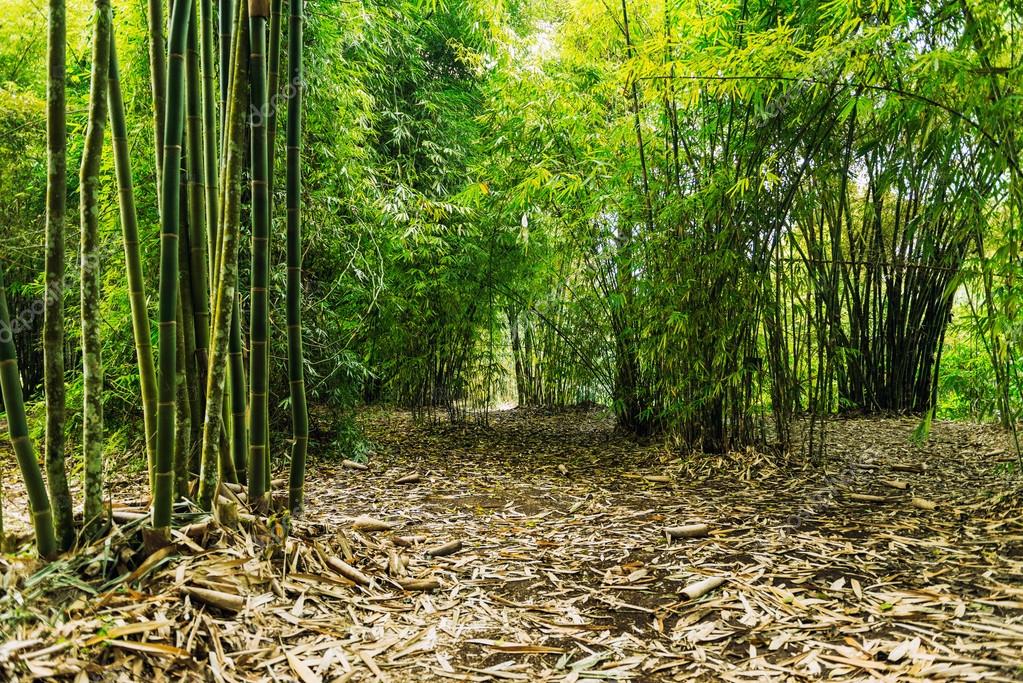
x: 565, y: 573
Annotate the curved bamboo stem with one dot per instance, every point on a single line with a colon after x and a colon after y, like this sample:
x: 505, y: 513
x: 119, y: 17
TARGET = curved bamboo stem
x: 17, y: 426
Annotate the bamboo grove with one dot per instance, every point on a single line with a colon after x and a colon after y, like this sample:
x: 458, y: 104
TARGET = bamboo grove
x: 203, y: 158
x: 725, y: 221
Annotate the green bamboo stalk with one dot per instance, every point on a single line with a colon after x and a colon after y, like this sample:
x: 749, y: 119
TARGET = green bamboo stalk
x: 182, y: 407
x: 197, y: 237
x: 273, y: 95
x: 239, y: 443
x: 259, y: 11
x: 239, y: 394
x: 225, y: 24
x: 296, y: 372
x: 188, y: 369
x: 163, y: 487
x: 53, y: 323
x: 210, y: 137
x: 227, y: 285
x: 133, y: 255
x: 17, y: 426
x: 92, y: 365
x: 158, y: 84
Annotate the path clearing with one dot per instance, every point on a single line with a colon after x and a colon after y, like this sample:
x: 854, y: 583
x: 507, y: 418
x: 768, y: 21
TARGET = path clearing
x: 565, y: 573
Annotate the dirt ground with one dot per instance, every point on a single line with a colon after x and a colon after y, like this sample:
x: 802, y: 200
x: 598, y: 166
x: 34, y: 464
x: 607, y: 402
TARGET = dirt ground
x: 564, y: 571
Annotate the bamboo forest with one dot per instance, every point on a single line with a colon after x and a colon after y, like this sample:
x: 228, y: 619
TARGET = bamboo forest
x: 554, y: 341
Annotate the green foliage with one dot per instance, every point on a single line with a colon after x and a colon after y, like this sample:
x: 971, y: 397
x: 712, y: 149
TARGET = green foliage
x: 739, y: 210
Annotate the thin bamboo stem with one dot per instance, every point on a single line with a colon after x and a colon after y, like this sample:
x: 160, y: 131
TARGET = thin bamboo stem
x: 296, y: 361
x: 133, y: 256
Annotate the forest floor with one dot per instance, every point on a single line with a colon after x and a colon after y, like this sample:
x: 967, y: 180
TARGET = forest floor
x: 564, y: 571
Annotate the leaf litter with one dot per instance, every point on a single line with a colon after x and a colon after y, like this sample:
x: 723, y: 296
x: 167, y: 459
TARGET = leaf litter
x: 546, y: 547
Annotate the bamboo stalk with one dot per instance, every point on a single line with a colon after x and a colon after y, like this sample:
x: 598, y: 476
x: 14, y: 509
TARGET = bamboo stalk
x: 210, y: 137
x: 259, y: 11
x: 273, y: 69
x: 198, y: 269
x: 17, y: 427
x: 296, y: 361
x: 227, y: 282
x: 53, y: 323
x: 132, y: 256
x: 225, y: 24
x: 163, y: 486
x: 92, y: 365
x: 239, y: 391
x: 158, y: 83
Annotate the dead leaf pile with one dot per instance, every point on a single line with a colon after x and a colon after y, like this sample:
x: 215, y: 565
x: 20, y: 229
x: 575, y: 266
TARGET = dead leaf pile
x: 548, y: 548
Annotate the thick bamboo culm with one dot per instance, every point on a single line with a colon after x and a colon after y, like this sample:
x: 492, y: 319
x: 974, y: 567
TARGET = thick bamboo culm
x: 53, y: 322
x: 163, y: 487
x: 296, y: 373
x: 17, y: 425
x: 90, y: 263
x: 259, y: 11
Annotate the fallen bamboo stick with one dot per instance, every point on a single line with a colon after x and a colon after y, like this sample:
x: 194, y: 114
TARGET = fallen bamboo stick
x: 408, y: 541
x: 126, y: 516
x: 916, y: 468
x: 220, y: 599
x: 923, y: 504
x: 690, y: 531
x: 348, y: 571
x: 371, y: 524
x: 449, y: 548
x: 867, y: 498
x: 354, y: 465
x: 895, y: 484
x: 430, y: 584
x: 697, y: 590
